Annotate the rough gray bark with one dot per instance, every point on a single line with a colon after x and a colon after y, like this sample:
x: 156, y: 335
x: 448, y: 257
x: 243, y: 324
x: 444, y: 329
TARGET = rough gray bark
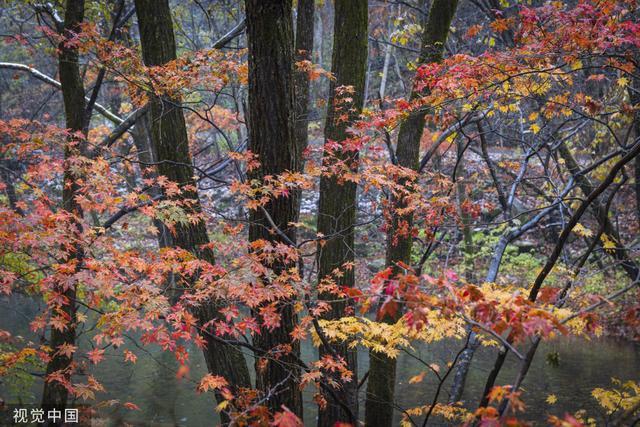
x: 271, y: 139
x: 171, y: 150
x: 381, y: 383
x: 337, y: 205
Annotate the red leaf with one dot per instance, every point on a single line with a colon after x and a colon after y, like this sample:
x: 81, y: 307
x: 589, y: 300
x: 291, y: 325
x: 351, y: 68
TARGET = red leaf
x: 95, y: 355
x: 286, y: 418
x: 131, y: 406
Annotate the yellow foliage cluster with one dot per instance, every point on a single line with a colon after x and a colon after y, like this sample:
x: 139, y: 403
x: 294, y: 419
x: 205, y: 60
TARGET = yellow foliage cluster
x: 12, y: 358
x: 388, y: 338
x: 625, y: 396
x: 453, y: 412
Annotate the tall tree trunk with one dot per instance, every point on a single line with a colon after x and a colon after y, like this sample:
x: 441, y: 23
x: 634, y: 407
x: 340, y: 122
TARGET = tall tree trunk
x: 634, y: 96
x: 55, y: 394
x: 303, y: 52
x: 271, y: 138
x: 382, y: 370
x: 337, y: 205
x: 171, y: 148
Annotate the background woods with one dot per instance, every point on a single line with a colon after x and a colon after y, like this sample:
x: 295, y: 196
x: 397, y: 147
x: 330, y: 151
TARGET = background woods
x: 330, y: 213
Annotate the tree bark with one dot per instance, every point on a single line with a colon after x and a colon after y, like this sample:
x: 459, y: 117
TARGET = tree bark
x: 55, y: 394
x: 381, y: 383
x: 634, y: 97
x: 271, y: 139
x: 303, y: 52
x: 337, y: 205
x: 171, y: 151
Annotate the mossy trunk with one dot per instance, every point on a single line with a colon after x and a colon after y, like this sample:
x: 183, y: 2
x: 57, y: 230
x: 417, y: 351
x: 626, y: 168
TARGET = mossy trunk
x: 171, y: 152
x: 379, y: 407
x: 271, y: 139
x: 337, y: 205
x: 55, y: 394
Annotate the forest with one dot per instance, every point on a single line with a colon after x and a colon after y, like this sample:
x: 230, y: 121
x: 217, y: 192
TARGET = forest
x: 331, y: 213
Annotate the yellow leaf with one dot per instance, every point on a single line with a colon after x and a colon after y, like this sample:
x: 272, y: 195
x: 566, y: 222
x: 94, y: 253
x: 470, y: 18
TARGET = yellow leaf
x: 222, y: 406
x: 607, y: 243
x: 576, y: 64
x: 580, y: 230
x: 623, y: 81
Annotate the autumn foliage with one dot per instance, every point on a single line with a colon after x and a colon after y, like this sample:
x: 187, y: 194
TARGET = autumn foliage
x: 538, y: 84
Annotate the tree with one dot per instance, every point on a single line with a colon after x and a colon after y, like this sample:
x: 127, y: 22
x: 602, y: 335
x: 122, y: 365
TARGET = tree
x: 171, y: 148
x: 272, y: 141
x: 55, y: 392
x: 634, y: 96
x: 337, y: 204
x: 382, y: 379
x: 303, y: 53
x: 511, y: 155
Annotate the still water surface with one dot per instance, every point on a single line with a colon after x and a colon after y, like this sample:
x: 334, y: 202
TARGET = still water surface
x: 164, y: 400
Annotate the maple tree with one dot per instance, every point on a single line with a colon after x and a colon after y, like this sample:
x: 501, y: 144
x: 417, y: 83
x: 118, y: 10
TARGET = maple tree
x: 167, y: 203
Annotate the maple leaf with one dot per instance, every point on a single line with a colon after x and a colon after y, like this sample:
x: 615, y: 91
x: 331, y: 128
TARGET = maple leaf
x: 211, y: 382
x: 130, y: 356
x: 580, y: 230
x: 59, y: 323
x: 67, y: 350
x: 96, y: 355
x: 286, y: 418
x: 608, y: 244
x: 270, y: 316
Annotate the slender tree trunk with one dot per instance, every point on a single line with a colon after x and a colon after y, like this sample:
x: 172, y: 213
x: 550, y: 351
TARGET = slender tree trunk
x: 303, y: 52
x: 382, y: 370
x: 461, y: 198
x: 271, y: 138
x: 55, y: 394
x: 171, y: 146
x: 385, y: 72
x: 634, y: 96
x: 337, y: 205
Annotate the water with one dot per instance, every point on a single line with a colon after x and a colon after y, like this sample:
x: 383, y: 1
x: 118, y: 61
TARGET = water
x: 165, y: 400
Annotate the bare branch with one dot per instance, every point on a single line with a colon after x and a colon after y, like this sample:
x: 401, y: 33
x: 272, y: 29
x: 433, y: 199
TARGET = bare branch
x: 53, y: 82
